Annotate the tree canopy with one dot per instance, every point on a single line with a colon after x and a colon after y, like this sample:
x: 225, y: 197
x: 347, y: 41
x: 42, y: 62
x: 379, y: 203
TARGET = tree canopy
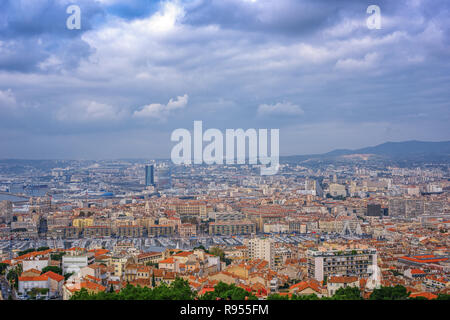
x: 53, y: 269
x: 180, y: 290
x: 390, y: 293
x: 177, y: 290
x: 225, y: 291
x: 3, y: 267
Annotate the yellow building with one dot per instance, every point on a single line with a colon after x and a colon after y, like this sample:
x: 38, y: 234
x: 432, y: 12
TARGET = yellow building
x: 190, y: 208
x: 119, y: 265
x: 82, y: 223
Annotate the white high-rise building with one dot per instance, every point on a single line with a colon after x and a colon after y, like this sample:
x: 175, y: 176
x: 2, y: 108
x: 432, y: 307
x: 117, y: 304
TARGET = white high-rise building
x: 260, y: 248
x: 343, y: 262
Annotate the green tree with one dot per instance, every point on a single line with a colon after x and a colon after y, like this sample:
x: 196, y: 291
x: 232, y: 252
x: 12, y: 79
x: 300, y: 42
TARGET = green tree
x: 151, y: 264
x: 83, y: 294
x: 153, y: 280
x: 13, y: 277
x: 3, y: 267
x: 57, y: 256
x: 53, y: 269
x: 21, y: 253
x: 201, y: 247
x: 67, y: 275
x: 228, y: 291
x: 216, y: 251
x: 390, y: 293
x: 179, y: 289
x: 418, y: 298
x: 348, y: 293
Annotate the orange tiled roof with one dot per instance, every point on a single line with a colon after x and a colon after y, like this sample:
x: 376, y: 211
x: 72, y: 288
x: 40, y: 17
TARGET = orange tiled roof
x: 204, y: 290
x: 54, y: 276
x: 37, y: 278
x: 427, y: 295
x: 306, y: 284
x: 168, y: 260
x: 417, y: 271
x: 93, y: 278
x: 182, y: 254
x: 342, y: 279
x: 87, y: 285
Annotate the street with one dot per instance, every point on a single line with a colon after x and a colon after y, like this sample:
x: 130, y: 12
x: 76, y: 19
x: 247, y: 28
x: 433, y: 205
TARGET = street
x: 5, y: 289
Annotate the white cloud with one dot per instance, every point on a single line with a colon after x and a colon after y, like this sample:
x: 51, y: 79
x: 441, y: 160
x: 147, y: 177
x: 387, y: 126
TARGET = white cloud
x: 7, y: 99
x: 345, y: 27
x: 244, y: 61
x: 51, y: 62
x: 179, y: 103
x: 161, y: 111
x: 280, y: 108
x: 350, y: 64
x: 87, y: 111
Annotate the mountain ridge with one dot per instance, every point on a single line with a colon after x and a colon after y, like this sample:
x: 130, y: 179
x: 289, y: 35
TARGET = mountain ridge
x: 411, y: 149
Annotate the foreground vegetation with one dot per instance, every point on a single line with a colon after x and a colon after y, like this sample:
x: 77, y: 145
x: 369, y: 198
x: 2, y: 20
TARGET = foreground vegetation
x: 180, y: 290
x: 177, y: 290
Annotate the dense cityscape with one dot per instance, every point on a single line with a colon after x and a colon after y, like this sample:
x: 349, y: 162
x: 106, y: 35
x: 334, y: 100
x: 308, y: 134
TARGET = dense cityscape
x: 74, y: 228
x: 224, y: 159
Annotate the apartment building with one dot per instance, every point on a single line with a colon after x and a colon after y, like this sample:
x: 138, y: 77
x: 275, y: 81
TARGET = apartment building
x: 82, y: 223
x: 347, y: 262
x: 64, y: 232
x: 161, y: 230
x: 97, y: 232
x: 297, y: 226
x: 232, y: 227
x: 399, y: 207
x: 337, y: 190
x: 261, y: 248
x: 74, y: 263
x: 187, y: 230
x: 190, y: 208
x: 130, y: 231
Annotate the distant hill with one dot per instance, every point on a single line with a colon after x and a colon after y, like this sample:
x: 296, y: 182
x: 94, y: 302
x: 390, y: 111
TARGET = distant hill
x: 394, y: 149
x: 406, y: 150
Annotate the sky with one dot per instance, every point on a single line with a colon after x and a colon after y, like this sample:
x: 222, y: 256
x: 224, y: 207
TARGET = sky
x: 137, y: 70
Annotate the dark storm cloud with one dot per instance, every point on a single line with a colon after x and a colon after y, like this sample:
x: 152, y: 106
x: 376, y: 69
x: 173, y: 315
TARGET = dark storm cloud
x: 33, y: 31
x: 291, y: 17
x: 31, y: 18
x: 311, y: 68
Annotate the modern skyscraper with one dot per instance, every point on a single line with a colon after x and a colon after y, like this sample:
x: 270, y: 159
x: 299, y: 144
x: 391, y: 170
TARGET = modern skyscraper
x: 374, y: 210
x: 149, y: 175
x: 163, y: 177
